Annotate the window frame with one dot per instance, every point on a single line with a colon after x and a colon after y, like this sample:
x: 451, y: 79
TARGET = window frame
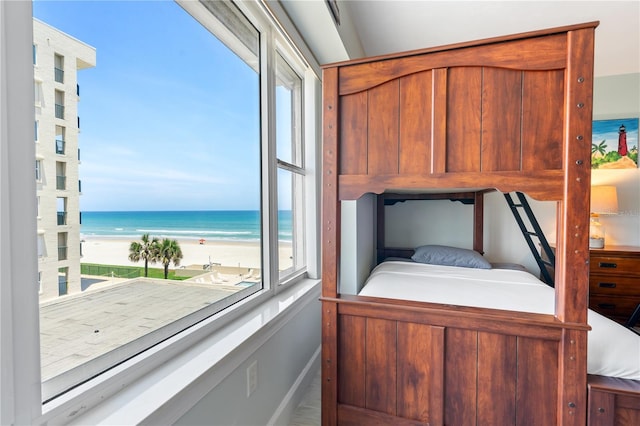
x: 20, y: 337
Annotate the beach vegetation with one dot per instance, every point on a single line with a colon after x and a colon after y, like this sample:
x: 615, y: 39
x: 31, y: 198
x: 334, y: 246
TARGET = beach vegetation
x: 146, y: 249
x: 168, y: 251
x: 118, y: 271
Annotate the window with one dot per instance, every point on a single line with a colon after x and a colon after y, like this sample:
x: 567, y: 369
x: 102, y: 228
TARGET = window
x: 37, y: 130
x: 60, y: 130
x: 291, y: 171
x: 42, y: 252
x: 35, y: 54
x: 59, y: 104
x: 62, y: 210
x: 39, y: 282
x: 38, y: 170
x: 61, y: 175
x: 39, y: 96
x: 58, y: 68
x: 159, y: 174
x: 63, y: 281
x: 62, y: 247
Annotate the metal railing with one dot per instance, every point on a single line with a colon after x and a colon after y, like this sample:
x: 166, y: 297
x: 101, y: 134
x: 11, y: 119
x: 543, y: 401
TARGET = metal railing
x: 60, y: 146
x: 62, y: 218
x: 61, y: 182
x: 59, y: 75
x: 60, y: 111
x: 62, y: 252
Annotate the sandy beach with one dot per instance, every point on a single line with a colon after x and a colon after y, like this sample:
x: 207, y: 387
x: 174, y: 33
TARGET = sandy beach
x: 115, y: 251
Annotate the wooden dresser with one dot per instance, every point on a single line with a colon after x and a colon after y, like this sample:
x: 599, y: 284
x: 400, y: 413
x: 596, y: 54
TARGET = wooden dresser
x: 614, y: 281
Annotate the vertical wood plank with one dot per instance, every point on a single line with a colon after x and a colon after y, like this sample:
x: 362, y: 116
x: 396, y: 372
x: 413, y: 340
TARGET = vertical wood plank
x: 415, y: 123
x: 420, y: 372
x: 460, y: 377
x: 601, y: 408
x: 537, y: 382
x: 497, y: 376
x: 330, y: 244
x: 572, y: 252
x: 464, y: 124
x: 351, y: 360
x: 439, y: 121
x: 541, y: 127
x: 380, y: 366
x: 501, y: 113
x: 383, y: 123
x: 353, y: 134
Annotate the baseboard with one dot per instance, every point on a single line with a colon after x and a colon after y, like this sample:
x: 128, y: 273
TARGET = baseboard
x: 295, y: 394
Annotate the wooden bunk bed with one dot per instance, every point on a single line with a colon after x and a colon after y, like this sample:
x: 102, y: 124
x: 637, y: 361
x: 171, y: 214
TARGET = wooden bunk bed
x: 510, y: 113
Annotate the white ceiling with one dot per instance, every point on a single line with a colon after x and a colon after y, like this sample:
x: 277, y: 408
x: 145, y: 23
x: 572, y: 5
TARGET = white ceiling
x: 375, y: 27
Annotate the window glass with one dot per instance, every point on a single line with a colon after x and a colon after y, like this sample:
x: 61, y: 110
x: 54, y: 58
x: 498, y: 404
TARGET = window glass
x: 175, y: 176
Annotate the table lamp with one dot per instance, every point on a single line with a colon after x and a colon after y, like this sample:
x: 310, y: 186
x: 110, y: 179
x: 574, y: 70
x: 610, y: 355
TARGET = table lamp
x: 604, y: 200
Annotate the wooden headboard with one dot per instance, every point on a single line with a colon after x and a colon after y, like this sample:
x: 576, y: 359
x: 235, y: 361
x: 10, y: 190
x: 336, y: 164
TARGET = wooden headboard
x: 474, y: 198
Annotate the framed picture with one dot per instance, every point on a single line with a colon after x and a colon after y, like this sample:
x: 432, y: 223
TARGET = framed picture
x: 614, y: 144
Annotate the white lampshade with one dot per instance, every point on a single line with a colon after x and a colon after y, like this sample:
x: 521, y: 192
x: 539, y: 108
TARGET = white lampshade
x: 604, y: 199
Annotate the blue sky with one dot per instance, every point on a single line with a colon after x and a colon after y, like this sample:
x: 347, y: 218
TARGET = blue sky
x: 169, y: 116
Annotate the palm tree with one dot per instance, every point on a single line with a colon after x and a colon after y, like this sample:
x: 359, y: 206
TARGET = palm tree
x: 145, y: 250
x: 600, y: 148
x: 169, y: 251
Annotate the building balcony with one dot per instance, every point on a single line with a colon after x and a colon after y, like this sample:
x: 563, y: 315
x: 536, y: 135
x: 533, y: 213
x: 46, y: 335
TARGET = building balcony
x: 61, y: 182
x: 62, y: 253
x: 62, y: 218
x: 60, y: 111
x: 59, y: 75
x: 60, y: 146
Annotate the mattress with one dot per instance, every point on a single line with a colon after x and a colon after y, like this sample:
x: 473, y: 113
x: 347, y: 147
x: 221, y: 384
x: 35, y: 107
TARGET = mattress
x: 613, y: 350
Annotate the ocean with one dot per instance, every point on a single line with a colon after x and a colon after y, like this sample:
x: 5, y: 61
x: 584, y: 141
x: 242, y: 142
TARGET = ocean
x: 214, y: 225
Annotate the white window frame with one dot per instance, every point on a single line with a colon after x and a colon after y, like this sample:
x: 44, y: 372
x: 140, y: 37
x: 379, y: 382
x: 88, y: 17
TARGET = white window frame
x: 21, y: 395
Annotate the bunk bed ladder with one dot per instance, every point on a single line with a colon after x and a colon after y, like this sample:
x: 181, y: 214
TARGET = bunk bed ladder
x: 544, y: 264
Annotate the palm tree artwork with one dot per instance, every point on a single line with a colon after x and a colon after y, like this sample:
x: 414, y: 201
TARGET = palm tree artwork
x: 600, y: 148
x: 168, y: 251
x: 145, y: 249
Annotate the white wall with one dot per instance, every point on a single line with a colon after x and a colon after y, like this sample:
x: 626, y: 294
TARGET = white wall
x: 358, y: 242
x: 280, y: 360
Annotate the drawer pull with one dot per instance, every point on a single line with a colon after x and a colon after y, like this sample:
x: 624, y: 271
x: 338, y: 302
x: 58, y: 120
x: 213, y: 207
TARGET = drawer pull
x: 608, y: 265
x: 607, y: 285
x: 606, y: 305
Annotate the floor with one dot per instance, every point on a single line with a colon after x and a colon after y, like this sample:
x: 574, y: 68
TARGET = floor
x: 308, y: 411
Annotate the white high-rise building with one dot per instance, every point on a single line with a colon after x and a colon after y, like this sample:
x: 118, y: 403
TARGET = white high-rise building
x: 57, y: 57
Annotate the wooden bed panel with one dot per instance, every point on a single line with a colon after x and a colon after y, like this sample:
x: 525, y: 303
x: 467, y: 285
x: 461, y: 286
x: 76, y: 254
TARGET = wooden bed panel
x: 353, y: 134
x: 380, y: 366
x: 415, y: 123
x: 382, y: 131
x: 351, y: 360
x: 461, y: 377
x: 541, y: 130
x: 537, y: 390
x: 463, y: 119
x: 420, y: 372
x: 501, y: 133
x: 496, y: 379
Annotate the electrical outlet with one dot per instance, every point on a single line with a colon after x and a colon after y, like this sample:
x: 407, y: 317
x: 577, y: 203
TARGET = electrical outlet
x: 252, y: 377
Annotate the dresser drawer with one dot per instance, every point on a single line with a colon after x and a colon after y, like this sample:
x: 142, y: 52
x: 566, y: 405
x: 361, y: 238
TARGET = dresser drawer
x: 614, y: 265
x: 614, y: 285
x: 618, y: 308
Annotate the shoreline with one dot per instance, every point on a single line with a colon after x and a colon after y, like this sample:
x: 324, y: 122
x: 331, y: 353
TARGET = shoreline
x: 108, y: 250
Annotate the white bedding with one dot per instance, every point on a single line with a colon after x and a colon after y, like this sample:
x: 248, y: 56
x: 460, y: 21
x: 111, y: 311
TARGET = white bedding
x: 613, y: 350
